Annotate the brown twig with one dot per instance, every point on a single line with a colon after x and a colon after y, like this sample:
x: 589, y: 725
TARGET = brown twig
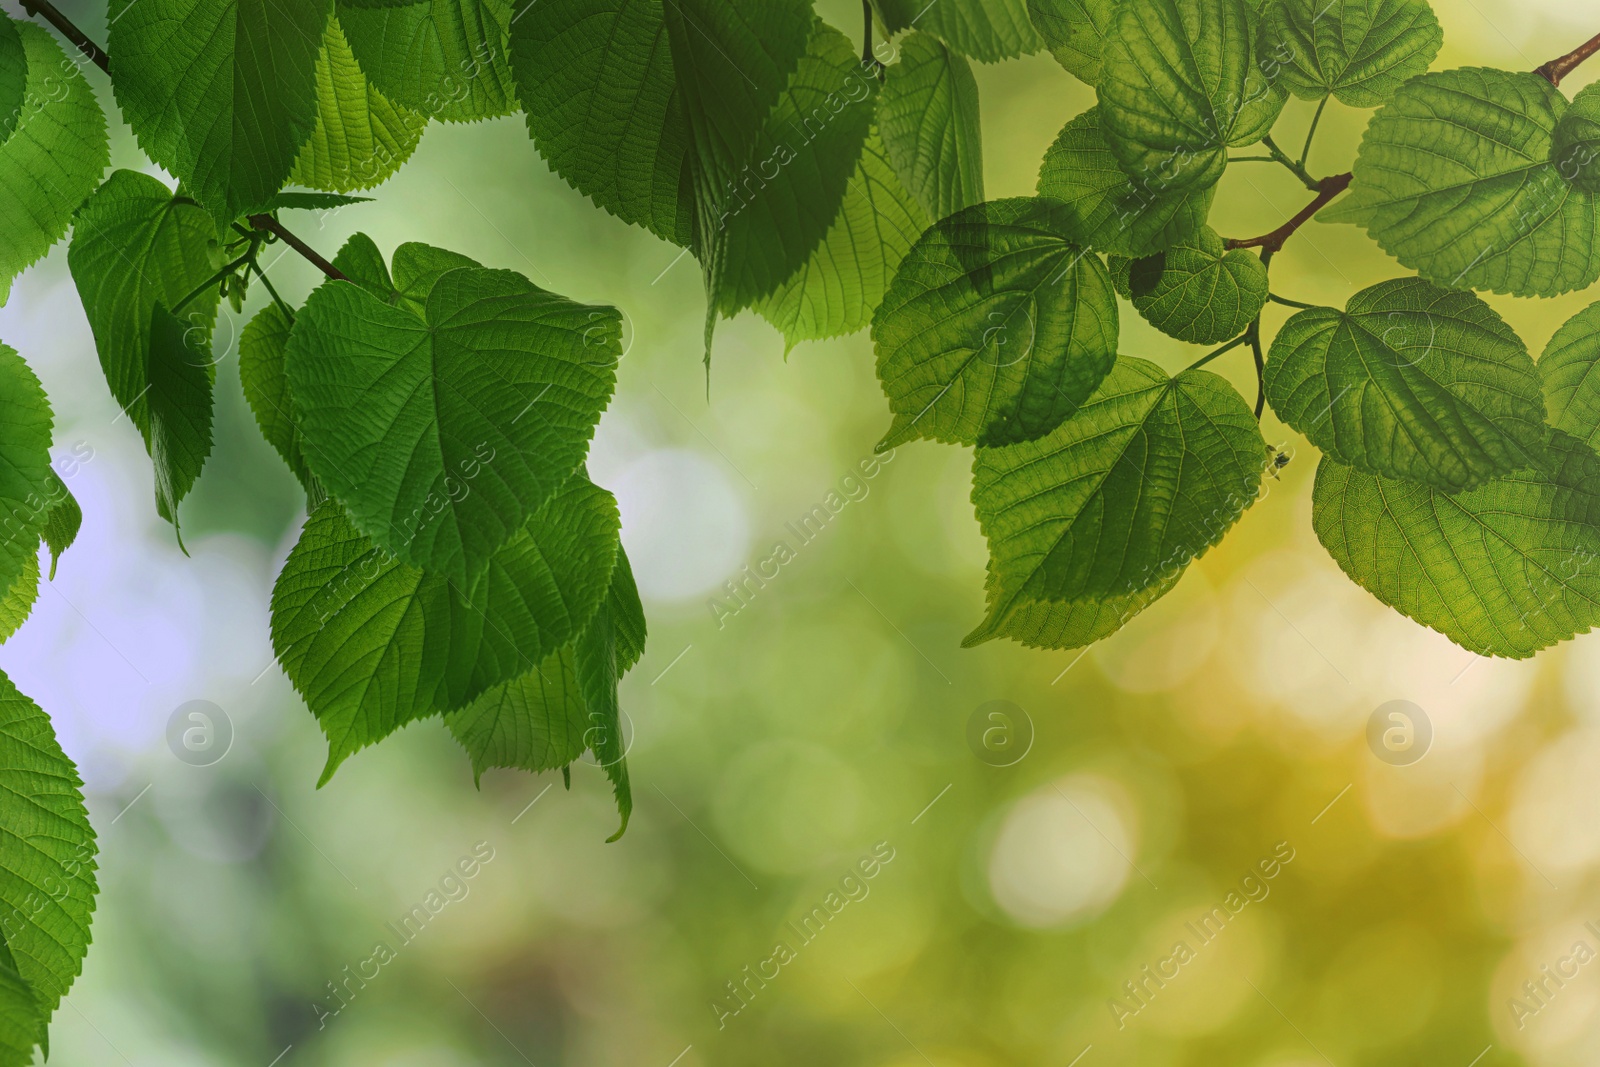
x: 274, y: 227
x: 47, y: 11
x: 1273, y: 242
x: 1557, y: 69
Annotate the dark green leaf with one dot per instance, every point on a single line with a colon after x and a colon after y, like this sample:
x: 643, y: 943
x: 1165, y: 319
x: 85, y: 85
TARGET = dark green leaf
x: 261, y: 349
x: 1575, y: 144
x: 928, y: 116
x: 446, y: 59
x: 13, y: 77
x: 1067, y: 625
x: 25, y: 474
x: 178, y: 407
x: 361, y: 262
x: 1359, y: 51
x: 985, y: 30
x: 1570, y: 373
x: 1075, y: 31
x: 418, y: 268
x: 1195, y: 291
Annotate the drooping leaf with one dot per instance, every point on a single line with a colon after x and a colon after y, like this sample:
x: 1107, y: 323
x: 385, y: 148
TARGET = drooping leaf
x: 1070, y: 624
x: 1358, y: 51
x: 1455, y: 180
x: 985, y: 30
x: 600, y: 95
x: 445, y: 59
x: 1151, y: 472
x: 13, y: 77
x: 928, y: 117
x: 1570, y: 373
x: 1502, y: 570
x: 1196, y: 291
x: 53, y: 158
x: 1575, y: 143
x: 360, y: 138
x: 1411, y: 381
x: 371, y: 643
x: 996, y: 328
x: 221, y: 93
x: 136, y: 246
x: 15, y: 605
x: 261, y: 348
x: 47, y: 850
x: 1180, y: 85
x: 836, y: 291
x: 25, y: 474
x: 1075, y: 32
x: 1133, y: 217
x: 604, y: 653
x: 62, y: 520
x: 394, y: 408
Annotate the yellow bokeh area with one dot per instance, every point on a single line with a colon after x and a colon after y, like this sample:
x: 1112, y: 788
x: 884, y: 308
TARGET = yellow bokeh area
x: 1190, y: 847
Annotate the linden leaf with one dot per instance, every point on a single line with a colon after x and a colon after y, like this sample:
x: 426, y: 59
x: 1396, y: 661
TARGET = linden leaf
x: 928, y: 115
x: 1358, y: 51
x: 1075, y: 32
x: 1195, y: 291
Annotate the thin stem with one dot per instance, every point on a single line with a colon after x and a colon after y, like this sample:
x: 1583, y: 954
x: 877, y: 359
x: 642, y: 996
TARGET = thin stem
x: 271, y: 291
x: 1295, y: 168
x: 1305, y: 153
x: 868, y: 58
x: 274, y: 227
x: 47, y: 11
x: 1276, y: 299
x: 1557, y: 69
x: 1254, y: 336
x: 1229, y: 347
x: 1328, y: 189
x: 214, y: 279
x: 1252, y: 159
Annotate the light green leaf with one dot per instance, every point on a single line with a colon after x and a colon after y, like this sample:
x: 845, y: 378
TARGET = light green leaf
x: 928, y: 116
x: 1149, y: 474
x: 261, y: 351
x: 1455, y: 180
x: 1575, y: 144
x: 361, y: 262
x: 1570, y: 373
x: 360, y: 138
x: 15, y: 606
x: 13, y: 77
x: 296, y: 200
x: 1116, y: 213
x: 1411, y: 381
x: 25, y: 474
x: 21, y: 1027
x: 136, y: 246
x: 1179, y: 86
x: 1067, y: 625
x: 837, y: 290
x: 1502, y: 570
x: 985, y: 30
x: 1075, y: 31
x: 1359, y: 51
x: 446, y: 59
x: 62, y: 520
x: 47, y: 850
x: 394, y: 408
x: 600, y: 95
x: 1196, y: 291
x: 996, y: 328
x: 53, y: 158
x: 222, y: 93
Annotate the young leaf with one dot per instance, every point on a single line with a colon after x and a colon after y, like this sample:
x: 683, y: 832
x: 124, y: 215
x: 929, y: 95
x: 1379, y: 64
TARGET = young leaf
x: 62, y: 520
x: 394, y: 408
x: 13, y: 77
x: 446, y: 59
x: 222, y: 93
x: 1180, y: 85
x: 600, y: 95
x: 1570, y: 373
x: 1149, y: 474
x: 985, y: 30
x: 1075, y: 32
x: 1132, y: 217
x: 836, y: 291
x: 360, y: 138
x: 15, y: 605
x: 1064, y: 625
x: 53, y: 158
x: 295, y: 200
x: 1359, y: 51
x: 25, y: 474
x: 928, y: 116
x: 1195, y: 291
x: 261, y: 349
x: 1411, y: 381
x: 1575, y: 144
x: 47, y: 882
x: 1455, y: 180
x: 996, y: 328
x: 1502, y: 570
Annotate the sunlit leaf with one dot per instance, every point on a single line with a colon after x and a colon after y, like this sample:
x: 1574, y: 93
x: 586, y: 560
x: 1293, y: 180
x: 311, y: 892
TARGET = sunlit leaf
x: 985, y: 30
x: 1196, y: 290
x: 445, y: 59
x: 1075, y: 32
x: 1575, y: 143
x: 13, y: 76
x: 1358, y: 51
x: 928, y: 116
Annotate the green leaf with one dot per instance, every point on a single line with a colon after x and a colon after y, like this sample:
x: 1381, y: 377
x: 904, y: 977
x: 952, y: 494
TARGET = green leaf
x: 295, y: 200
x: 360, y: 138
x: 53, y: 158
x: 1411, y: 381
x: 15, y: 606
x: 361, y: 262
x: 136, y: 247
x: 1195, y: 291
x: 1570, y: 373
x: 1455, y: 180
x: 1575, y: 143
x: 1149, y: 474
x: 928, y: 116
x: 418, y: 268
x: 47, y: 850
x: 13, y: 77
x: 837, y: 290
x: 985, y: 30
x: 1359, y: 51
x: 1179, y: 86
x: 395, y: 408
x: 371, y: 643
x: 222, y: 93
x: 996, y: 328
x: 25, y: 474
x: 1502, y: 570
x: 21, y: 1027
x: 261, y: 352
x: 607, y: 649
x: 1133, y: 217
x: 446, y: 59
x: 1067, y: 625
x: 1075, y: 32
x: 600, y: 95
x: 62, y: 519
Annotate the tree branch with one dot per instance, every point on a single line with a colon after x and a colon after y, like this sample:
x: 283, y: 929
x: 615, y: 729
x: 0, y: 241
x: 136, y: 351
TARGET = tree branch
x: 868, y: 57
x: 47, y: 11
x: 274, y: 227
x: 1330, y: 188
x: 1557, y: 69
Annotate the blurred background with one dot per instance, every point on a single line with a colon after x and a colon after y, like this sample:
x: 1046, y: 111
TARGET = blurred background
x: 1030, y: 859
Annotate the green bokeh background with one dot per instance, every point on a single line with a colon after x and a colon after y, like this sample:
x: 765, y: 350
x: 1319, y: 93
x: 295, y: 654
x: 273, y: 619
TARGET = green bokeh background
x: 775, y: 747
